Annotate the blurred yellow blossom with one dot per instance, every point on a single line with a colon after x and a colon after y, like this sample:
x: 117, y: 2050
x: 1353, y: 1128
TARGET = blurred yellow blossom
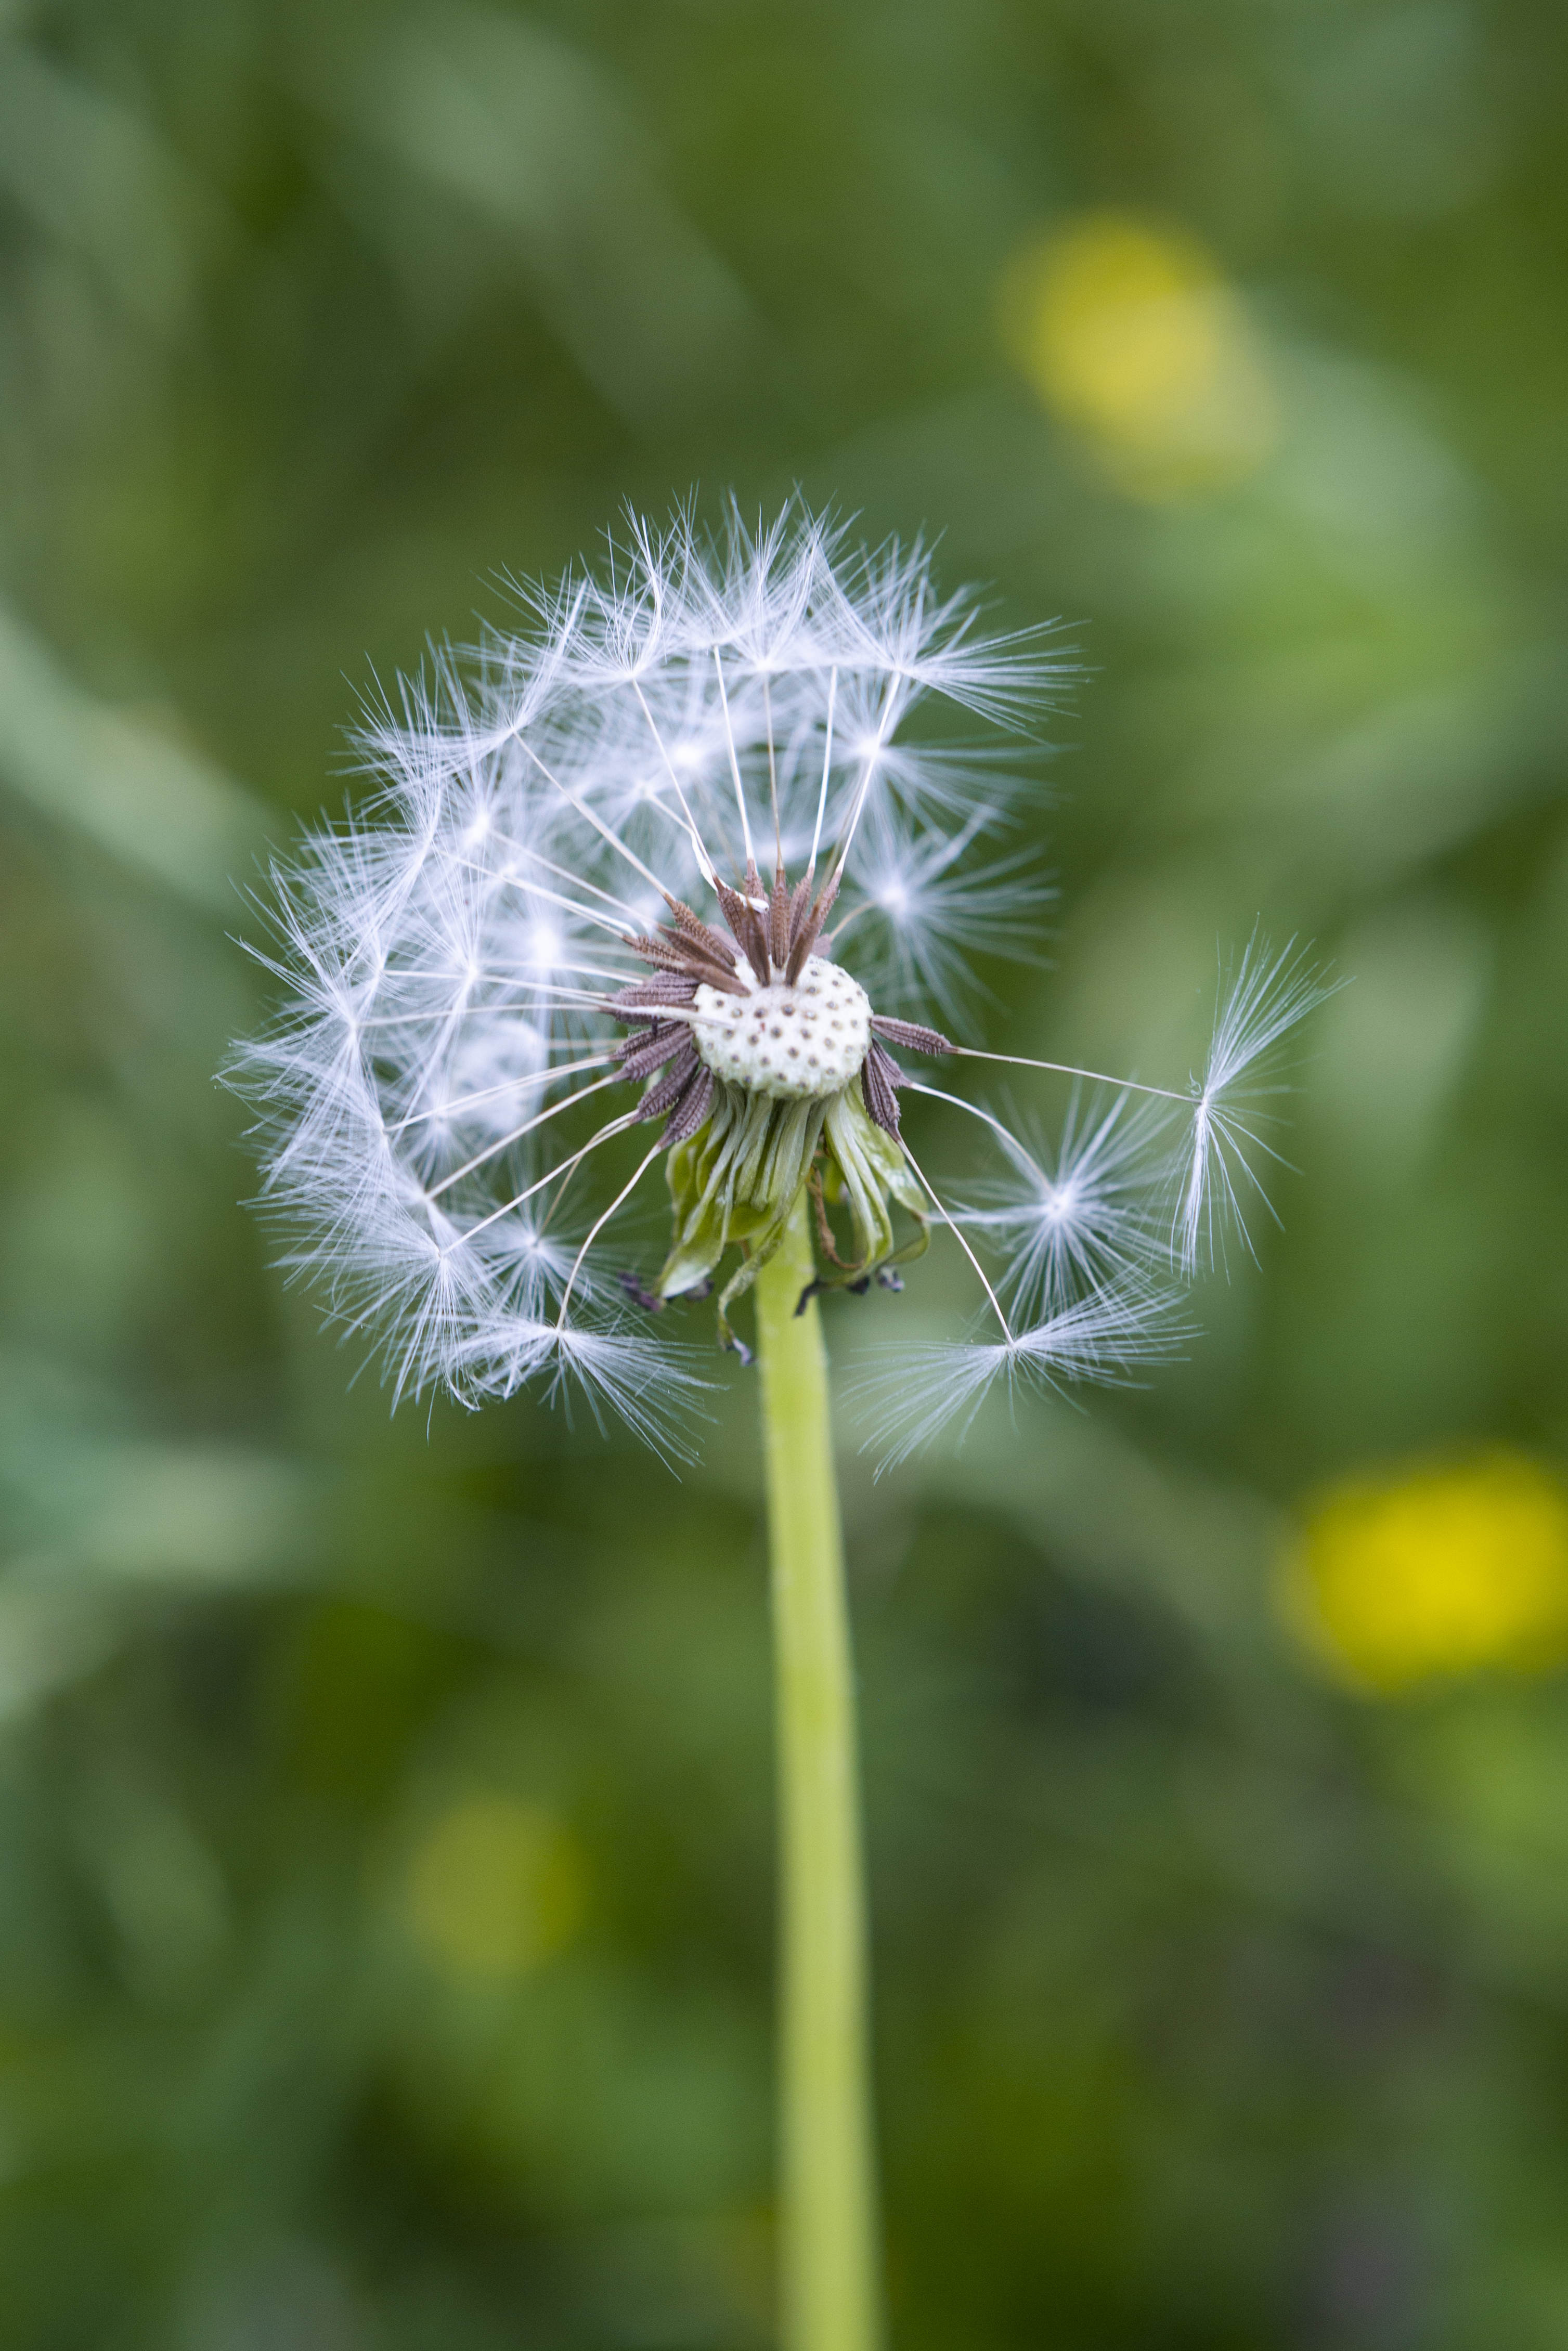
x: 1437, y: 1570
x: 1130, y: 334
x: 494, y: 1885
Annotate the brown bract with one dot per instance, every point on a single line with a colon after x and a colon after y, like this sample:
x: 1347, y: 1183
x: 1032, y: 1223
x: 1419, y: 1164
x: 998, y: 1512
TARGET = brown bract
x: 774, y: 934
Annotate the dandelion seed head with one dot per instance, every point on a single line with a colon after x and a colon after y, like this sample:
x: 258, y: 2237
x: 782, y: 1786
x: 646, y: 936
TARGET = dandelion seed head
x: 682, y: 848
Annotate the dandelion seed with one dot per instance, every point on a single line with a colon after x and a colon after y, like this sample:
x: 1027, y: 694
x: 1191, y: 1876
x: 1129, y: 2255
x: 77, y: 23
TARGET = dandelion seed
x: 1264, y: 1000
x: 1099, y: 1339
x: 1082, y: 1216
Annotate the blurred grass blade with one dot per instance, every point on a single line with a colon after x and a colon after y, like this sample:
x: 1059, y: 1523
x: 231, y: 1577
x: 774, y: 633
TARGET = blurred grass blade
x: 99, y: 181
x: 522, y: 127
x: 149, y: 801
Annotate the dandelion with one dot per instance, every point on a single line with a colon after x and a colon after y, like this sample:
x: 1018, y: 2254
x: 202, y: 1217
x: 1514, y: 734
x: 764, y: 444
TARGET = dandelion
x: 670, y: 880
x: 1441, y: 1568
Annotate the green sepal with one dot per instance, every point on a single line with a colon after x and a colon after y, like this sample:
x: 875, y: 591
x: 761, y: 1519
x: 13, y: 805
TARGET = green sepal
x: 736, y: 1180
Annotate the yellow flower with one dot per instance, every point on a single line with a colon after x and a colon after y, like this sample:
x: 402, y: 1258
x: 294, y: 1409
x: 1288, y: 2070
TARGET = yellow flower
x: 493, y: 1887
x: 1130, y: 334
x: 1440, y: 1569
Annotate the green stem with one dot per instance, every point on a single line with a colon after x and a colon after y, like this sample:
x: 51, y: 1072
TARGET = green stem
x: 828, y: 2262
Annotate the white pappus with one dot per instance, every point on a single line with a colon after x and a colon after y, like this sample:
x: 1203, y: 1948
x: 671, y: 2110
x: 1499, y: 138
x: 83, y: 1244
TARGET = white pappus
x: 667, y: 876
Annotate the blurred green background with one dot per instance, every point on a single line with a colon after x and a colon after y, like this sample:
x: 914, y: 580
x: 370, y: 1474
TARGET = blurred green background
x: 386, y: 1815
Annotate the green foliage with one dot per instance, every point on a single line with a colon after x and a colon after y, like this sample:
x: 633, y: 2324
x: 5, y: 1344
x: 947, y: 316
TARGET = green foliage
x: 385, y: 1898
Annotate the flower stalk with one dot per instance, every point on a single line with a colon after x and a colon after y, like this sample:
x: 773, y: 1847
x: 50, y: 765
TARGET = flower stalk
x: 828, y: 2266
